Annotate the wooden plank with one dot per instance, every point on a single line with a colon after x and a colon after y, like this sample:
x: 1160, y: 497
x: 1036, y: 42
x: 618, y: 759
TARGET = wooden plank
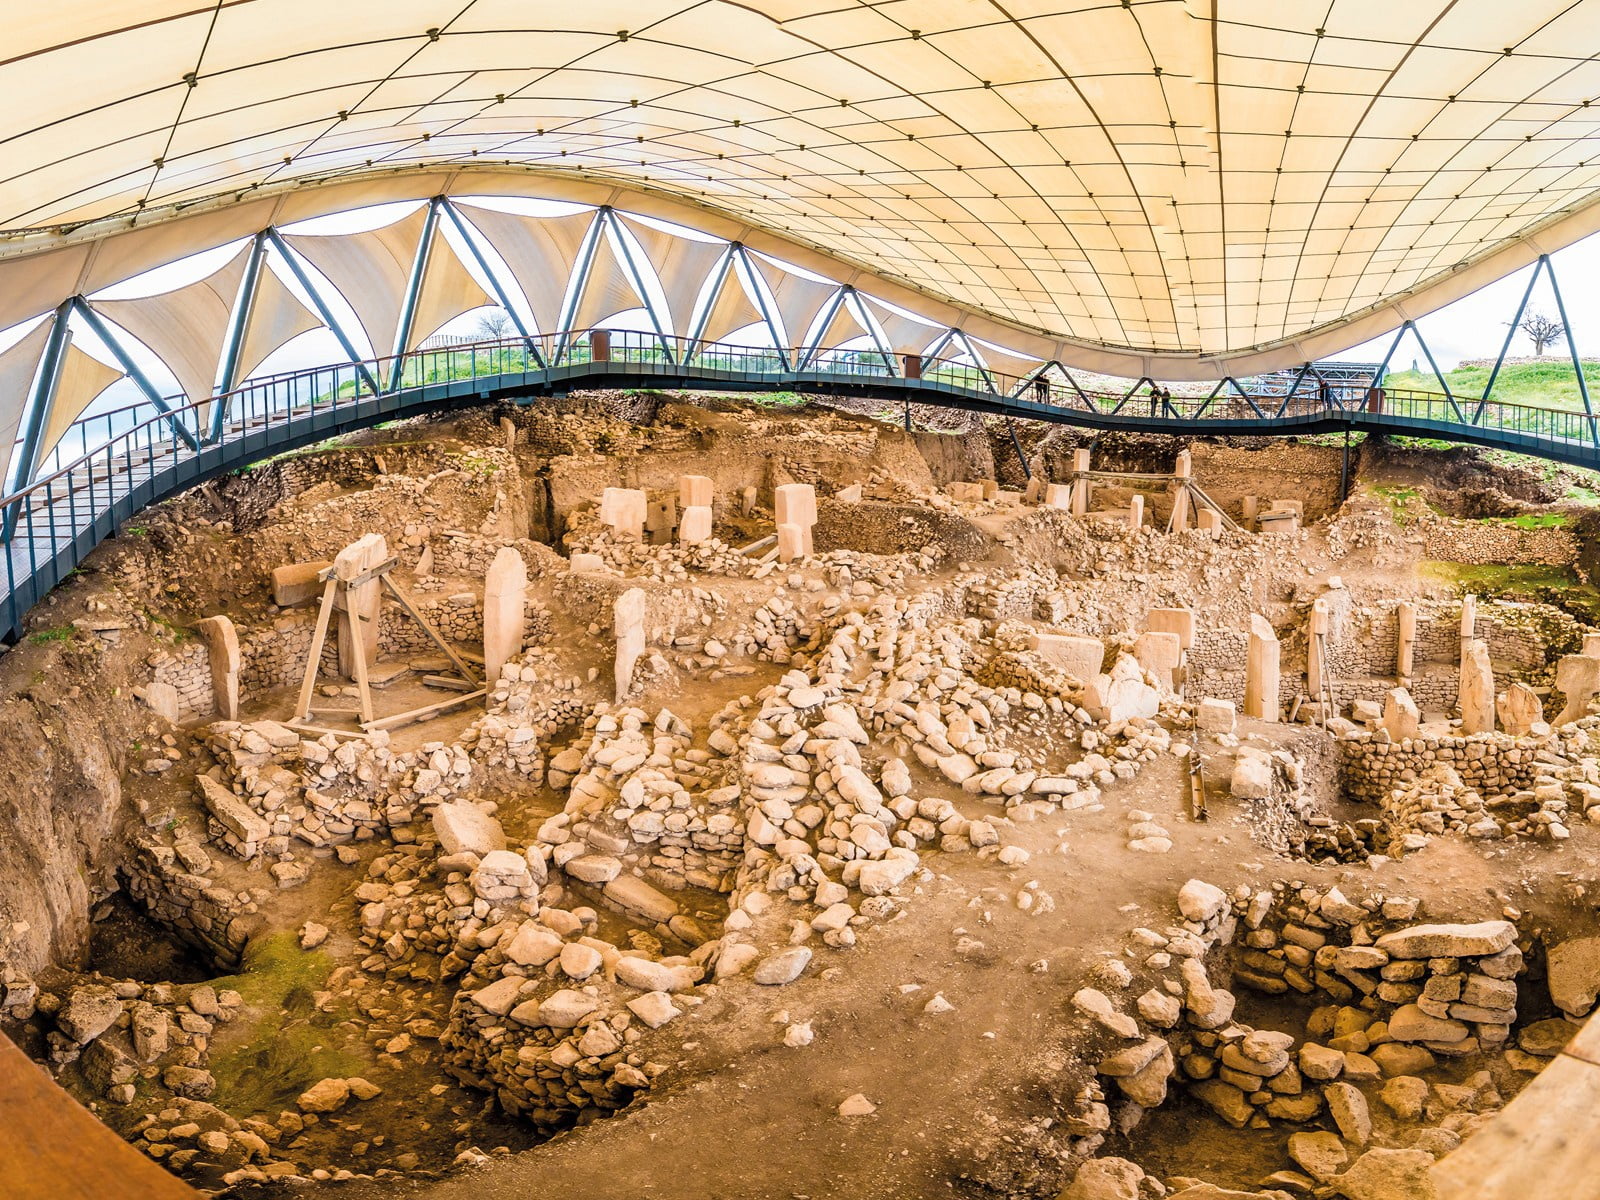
x: 399, y: 594
x: 308, y: 685
x: 321, y: 730
x: 52, y: 1148
x: 448, y: 681
x: 426, y: 711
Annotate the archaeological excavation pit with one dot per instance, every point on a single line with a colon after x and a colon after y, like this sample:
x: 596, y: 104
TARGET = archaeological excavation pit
x: 778, y: 802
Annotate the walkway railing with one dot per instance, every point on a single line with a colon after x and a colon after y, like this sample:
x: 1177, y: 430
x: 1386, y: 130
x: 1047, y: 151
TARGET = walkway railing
x: 110, y: 465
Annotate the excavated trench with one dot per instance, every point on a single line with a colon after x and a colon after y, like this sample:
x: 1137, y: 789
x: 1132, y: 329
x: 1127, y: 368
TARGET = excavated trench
x: 293, y: 1016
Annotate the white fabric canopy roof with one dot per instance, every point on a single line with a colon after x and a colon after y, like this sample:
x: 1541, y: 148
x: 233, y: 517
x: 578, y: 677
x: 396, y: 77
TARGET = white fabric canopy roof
x: 1188, y: 177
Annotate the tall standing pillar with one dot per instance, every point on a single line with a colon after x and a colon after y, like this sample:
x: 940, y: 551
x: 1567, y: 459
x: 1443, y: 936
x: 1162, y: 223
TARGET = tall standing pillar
x: 1261, y: 671
x: 1180, y: 500
x: 1406, y: 641
x: 1080, y: 482
x: 1477, y: 688
x: 1316, y: 642
x: 505, y: 600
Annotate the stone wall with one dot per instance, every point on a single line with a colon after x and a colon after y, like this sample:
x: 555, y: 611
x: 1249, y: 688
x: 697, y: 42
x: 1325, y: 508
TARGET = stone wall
x: 166, y: 883
x: 1487, y: 763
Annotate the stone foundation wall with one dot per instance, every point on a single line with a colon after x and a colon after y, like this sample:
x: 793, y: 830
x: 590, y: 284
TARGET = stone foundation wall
x: 209, y: 918
x: 1487, y: 763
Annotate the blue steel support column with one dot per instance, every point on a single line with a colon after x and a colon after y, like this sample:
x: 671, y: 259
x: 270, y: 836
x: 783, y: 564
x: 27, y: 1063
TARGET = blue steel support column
x: 1572, y: 348
x: 863, y: 318
x: 1293, y: 388
x: 637, y: 278
x: 579, y: 282
x: 408, y: 302
x: 500, y: 292
x: 323, y: 311
x: 133, y: 371
x: 977, y: 361
x: 243, y: 308
x: 1017, y: 446
x: 808, y: 354
x: 1511, y: 332
x: 695, y: 332
x: 738, y: 252
x: 44, y: 394
x: 1438, y: 374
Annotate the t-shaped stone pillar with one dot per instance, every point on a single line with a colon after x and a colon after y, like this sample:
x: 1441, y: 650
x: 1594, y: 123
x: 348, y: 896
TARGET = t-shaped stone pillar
x: 1477, y: 688
x: 1406, y: 644
x: 1316, y: 644
x: 222, y: 640
x: 623, y: 509
x: 628, y: 623
x: 505, y: 598
x: 1136, y: 512
x: 1079, y: 503
x: 361, y: 602
x: 1261, y: 671
x: 1180, y: 500
x: 794, y: 505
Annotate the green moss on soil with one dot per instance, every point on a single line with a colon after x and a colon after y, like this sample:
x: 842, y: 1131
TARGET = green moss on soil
x: 1554, y: 585
x: 286, y: 1053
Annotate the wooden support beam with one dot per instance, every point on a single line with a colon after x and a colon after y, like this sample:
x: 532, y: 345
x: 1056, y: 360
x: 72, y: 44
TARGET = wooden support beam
x: 425, y: 712
x: 450, y: 651
x: 319, y: 637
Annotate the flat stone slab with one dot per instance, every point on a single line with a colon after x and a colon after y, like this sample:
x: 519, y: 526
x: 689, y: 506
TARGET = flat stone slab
x: 1449, y: 941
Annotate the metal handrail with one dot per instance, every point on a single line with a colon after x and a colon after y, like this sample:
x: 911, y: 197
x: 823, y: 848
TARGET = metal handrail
x: 56, y: 519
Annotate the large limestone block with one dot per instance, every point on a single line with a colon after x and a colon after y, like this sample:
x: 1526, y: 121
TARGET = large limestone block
x: 965, y: 491
x: 624, y: 509
x: 505, y: 599
x: 694, y: 491
x: 222, y: 642
x: 1252, y: 777
x: 297, y: 583
x: 1519, y: 709
x: 1261, y: 671
x: 1121, y: 694
x: 695, y: 527
x: 237, y: 817
x: 1159, y: 654
x: 1216, y: 716
x: 1448, y: 941
x: 1173, y: 620
x: 1058, y: 495
x: 1575, y: 975
x: 1578, y: 679
x: 1079, y: 657
x: 461, y: 826
x: 1477, y: 688
x: 1400, y: 714
x: 628, y: 624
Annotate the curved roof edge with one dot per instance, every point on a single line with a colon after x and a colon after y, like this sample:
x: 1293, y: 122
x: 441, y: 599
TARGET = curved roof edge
x: 40, y: 268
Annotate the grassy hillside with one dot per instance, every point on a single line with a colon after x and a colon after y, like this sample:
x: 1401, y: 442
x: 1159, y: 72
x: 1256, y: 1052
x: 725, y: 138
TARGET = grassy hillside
x: 1548, y: 384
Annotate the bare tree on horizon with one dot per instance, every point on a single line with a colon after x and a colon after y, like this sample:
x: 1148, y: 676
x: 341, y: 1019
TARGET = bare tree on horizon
x: 1541, y: 330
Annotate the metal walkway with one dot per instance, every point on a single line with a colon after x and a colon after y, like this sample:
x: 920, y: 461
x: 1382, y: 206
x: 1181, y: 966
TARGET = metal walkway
x: 109, y: 466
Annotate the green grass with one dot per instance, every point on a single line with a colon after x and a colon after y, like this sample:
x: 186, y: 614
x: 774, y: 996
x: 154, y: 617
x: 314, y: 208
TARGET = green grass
x: 288, y: 1054
x: 1555, y: 585
x: 1549, y: 384
x: 1532, y: 521
x: 1401, y: 501
x: 61, y: 633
